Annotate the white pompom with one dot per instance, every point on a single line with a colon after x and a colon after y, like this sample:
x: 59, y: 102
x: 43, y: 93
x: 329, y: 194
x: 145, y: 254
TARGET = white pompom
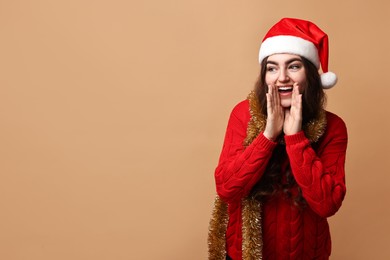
x: 328, y: 80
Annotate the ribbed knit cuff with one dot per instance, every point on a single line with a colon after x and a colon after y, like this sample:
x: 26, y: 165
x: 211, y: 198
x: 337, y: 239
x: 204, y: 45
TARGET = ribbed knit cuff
x: 296, y: 138
x: 264, y: 143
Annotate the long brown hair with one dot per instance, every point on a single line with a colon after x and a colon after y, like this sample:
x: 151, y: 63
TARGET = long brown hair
x: 313, y: 101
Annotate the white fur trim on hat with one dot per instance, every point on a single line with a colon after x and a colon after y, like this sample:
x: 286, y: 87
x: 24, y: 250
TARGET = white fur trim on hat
x: 328, y: 80
x: 289, y: 44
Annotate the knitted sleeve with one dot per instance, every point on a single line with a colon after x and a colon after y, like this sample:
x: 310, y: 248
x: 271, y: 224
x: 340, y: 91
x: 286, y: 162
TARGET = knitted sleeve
x: 320, y: 175
x: 239, y: 167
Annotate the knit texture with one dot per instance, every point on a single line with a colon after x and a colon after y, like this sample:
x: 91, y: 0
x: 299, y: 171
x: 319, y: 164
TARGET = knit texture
x: 288, y: 232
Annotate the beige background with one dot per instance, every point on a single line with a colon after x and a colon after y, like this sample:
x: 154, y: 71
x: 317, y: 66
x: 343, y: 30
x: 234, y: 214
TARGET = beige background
x: 112, y: 117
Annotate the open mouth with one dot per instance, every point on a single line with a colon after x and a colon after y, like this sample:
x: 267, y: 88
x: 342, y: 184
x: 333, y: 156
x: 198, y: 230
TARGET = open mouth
x: 285, y: 89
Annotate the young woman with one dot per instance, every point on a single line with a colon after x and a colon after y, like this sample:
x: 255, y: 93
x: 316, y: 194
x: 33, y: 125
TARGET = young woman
x: 281, y: 169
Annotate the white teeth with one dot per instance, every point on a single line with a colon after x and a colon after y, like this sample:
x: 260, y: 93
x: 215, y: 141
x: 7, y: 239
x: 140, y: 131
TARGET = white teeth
x: 285, y: 88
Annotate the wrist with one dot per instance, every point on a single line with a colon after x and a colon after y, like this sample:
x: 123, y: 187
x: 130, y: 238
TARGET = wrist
x: 296, y: 138
x: 269, y: 137
x: 293, y: 132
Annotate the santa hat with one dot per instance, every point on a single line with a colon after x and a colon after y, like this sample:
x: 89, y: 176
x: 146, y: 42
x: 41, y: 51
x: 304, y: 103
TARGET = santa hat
x: 302, y: 38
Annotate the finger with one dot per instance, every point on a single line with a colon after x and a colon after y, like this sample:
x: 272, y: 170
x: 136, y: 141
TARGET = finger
x: 274, y: 98
x: 269, y: 105
x: 269, y: 99
x: 277, y: 97
x: 296, y: 96
x: 274, y: 101
x: 294, y: 92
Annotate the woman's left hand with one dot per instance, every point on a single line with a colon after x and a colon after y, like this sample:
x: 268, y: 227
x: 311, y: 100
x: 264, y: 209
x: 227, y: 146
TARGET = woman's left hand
x: 293, y: 115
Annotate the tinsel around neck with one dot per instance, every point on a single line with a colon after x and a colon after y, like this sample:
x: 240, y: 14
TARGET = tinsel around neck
x: 314, y: 129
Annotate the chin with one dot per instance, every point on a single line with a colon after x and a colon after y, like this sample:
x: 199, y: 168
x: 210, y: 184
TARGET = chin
x: 285, y: 104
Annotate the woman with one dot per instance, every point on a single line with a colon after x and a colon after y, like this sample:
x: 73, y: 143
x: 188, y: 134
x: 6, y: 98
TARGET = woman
x: 281, y: 169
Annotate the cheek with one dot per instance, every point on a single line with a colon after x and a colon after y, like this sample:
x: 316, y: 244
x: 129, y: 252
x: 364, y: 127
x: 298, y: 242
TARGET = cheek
x: 301, y: 79
x: 302, y: 85
x: 269, y: 79
x: 302, y: 89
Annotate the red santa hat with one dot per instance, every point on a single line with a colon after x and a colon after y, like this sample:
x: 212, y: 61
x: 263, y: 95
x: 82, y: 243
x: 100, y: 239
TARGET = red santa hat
x: 302, y: 38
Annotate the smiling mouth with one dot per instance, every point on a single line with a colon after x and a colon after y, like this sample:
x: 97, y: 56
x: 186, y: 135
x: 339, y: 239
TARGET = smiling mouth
x: 285, y: 89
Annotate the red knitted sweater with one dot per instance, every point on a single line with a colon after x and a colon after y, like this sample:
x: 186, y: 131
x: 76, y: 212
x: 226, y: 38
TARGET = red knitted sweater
x: 288, y: 232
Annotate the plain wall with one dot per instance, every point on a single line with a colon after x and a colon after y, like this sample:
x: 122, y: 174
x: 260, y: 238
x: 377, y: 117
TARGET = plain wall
x: 112, y: 117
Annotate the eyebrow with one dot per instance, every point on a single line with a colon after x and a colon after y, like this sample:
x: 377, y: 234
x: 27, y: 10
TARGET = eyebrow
x: 287, y: 62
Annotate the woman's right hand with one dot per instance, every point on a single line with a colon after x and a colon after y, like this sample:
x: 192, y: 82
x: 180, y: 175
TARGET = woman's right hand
x: 275, y: 114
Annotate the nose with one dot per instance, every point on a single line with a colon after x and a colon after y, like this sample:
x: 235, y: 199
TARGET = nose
x: 283, y: 76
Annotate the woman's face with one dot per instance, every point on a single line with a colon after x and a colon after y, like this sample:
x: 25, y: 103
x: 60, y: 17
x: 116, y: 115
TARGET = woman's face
x: 283, y: 70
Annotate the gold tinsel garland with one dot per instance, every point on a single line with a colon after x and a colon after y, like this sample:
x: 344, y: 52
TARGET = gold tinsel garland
x: 217, y: 230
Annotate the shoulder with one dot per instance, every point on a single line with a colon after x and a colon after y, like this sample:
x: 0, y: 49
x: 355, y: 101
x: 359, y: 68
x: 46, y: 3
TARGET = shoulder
x: 335, y: 124
x: 242, y: 108
x: 334, y: 119
x: 241, y: 111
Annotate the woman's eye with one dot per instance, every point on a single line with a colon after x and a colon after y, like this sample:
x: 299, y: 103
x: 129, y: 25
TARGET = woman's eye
x: 295, y: 66
x: 271, y: 69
